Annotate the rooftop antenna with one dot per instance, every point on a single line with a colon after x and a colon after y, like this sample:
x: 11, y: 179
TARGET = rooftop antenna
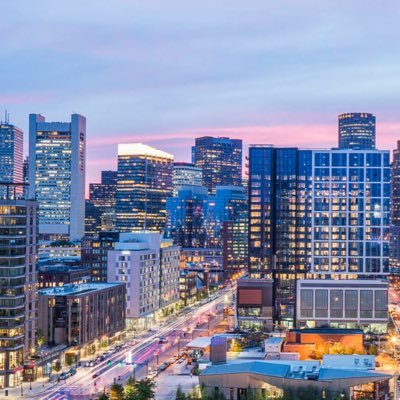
x: 6, y: 116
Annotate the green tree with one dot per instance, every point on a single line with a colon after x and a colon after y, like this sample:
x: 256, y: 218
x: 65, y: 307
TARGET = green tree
x: 40, y: 338
x: 179, y: 394
x: 130, y: 389
x: 116, y: 392
x: 57, y: 366
x: 144, y: 390
x: 103, y: 396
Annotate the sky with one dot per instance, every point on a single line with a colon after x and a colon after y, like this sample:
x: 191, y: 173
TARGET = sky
x: 164, y: 72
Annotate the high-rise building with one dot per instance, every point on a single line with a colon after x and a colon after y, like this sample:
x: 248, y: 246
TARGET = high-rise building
x: 57, y: 175
x: 11, y: 148
x: 220, y: 159
x: 100, y: 208
x: 231, y: 214
x: 186, y: 216
x: 324, y: 213
x: 357, y: 131
x: 95, y: 254
x: 395, y: 211
x: 185, y: 174
x: 144, y: 184
x: 18, y: 280
x: 149, y: 266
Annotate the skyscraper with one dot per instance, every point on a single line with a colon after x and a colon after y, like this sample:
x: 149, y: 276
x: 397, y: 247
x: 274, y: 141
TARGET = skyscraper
x: 395, y: 216
x: 185, y: 174
x: 17, y: 287
x: 144, y: 184
x: 220, y: 160
x: 324, y: 213
x: 100, y: 208
x: 186, y: 216
x: 57, y: 157
x: 357, y: 131
x: 11, y: 148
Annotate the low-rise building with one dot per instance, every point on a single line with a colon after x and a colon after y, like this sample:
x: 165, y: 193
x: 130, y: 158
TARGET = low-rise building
x: 78, y: 315
x: 355, y: 303
x: 308, y: 379
x: 306, y: 341
x: 254, y: 304
x: 188, y: 286
x: 61, y: 274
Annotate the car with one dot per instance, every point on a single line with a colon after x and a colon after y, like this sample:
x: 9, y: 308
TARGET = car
x: 72, y: 371
x: 106, y: 354
x: 64, y: 375
x: 162, y: 340
x: 96, y: 375
x: 101, y: 358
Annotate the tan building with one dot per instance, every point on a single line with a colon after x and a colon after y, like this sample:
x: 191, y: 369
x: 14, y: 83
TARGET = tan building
x: 80, y: 314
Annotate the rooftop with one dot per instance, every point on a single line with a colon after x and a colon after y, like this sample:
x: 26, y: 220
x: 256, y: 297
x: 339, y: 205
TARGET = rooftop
x: 74, y: 289
x: 329, y: 331
x: 305, y: 370
x: 140, y: 149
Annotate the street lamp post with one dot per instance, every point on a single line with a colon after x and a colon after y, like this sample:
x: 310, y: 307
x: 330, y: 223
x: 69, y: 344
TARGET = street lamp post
x: 22, y: 390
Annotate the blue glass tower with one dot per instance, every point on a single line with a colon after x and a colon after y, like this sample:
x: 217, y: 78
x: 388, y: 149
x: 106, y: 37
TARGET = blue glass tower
x: 316, y: 213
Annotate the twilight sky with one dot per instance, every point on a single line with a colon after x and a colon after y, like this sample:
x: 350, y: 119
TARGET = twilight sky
x: 163, y: 72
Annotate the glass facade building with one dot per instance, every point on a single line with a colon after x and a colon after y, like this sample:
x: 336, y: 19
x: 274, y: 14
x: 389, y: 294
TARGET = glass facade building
x: 357, y: 131
x: 144, y: 184
x: 395, y: 212
x: 57, y: 158
x: 185, y: 174
x: 220, y: 159
x: 11, y: 148
x: 316, y: 213
x: 100, y: 208
x: 18, y: 279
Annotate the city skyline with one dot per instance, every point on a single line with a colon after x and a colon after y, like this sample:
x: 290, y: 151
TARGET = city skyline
x: 294, y: 68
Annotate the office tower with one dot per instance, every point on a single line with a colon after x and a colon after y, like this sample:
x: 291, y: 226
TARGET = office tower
x: 185, y: 174
x: 11, y: 148
x: 186, y: 216
x: 17, y: 287
x: 100, y: 208
x: 144, y: 184
x: 149, y: 266
x: 321, y: 212
x: 357, y: 131
x: 220, y: 160
x: 57, y: 175
x: 395, y: 211
x: 95, y: 254
x: 25, y: 177
x: 232, y: 212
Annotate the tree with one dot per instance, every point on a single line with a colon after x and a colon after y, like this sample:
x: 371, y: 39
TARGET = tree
x: 103, y: 396
x: 130, y: 389
x: 373, y: 351
x: 144, y: 390
x: 40, y: 338
x: 57, y: 366
x: 179, y: 394
x: 116, y: 392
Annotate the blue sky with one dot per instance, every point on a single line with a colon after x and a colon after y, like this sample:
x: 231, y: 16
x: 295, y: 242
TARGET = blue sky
x: 164, y: 72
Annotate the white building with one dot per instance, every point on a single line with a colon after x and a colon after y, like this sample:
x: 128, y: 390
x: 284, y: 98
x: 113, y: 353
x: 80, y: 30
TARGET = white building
x: 149, y: 265
x: 346, y: 303
x: 185, y: 174
x: 57, y: 157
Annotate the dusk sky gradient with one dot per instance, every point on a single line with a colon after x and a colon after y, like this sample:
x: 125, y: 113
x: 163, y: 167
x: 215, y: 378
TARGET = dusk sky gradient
x: 164, y: 72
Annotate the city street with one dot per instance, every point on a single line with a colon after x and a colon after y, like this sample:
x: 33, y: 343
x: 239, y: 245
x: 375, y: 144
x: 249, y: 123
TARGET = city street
x: 146, y: 353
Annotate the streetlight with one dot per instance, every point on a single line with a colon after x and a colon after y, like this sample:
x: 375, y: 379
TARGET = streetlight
x: 22, y: 390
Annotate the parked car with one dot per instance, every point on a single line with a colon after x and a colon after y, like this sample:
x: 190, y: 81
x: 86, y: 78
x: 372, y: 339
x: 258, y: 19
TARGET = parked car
x: 72, y: 371
x: 96, y: 375
x: 64, y: 375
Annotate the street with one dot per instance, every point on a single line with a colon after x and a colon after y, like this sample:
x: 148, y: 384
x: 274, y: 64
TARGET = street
x: 146, y: 354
